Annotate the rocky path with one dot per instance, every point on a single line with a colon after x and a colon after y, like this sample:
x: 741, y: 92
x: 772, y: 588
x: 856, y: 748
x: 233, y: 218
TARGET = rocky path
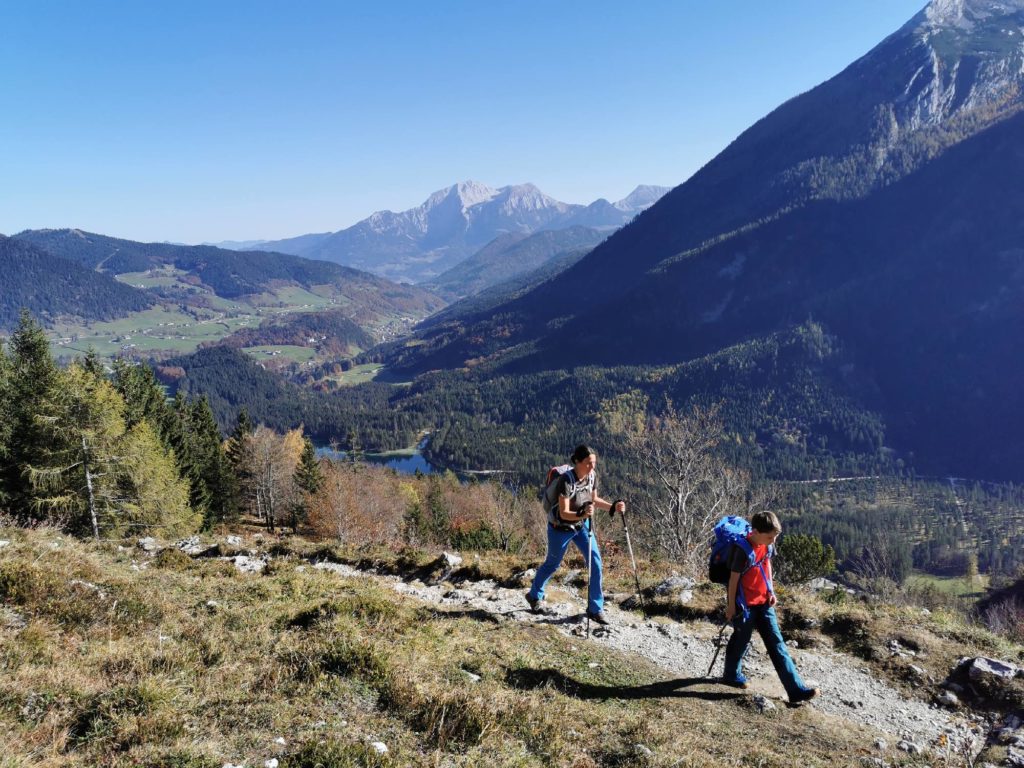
x: 847, y: 689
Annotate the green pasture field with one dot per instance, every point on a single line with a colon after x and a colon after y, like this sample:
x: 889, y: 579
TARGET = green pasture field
x: 153, y: 330
x: 959, y: 586
x: 363, y: 373
x: 147, y: 279
x: 292, y: 299
x: 287, y: 352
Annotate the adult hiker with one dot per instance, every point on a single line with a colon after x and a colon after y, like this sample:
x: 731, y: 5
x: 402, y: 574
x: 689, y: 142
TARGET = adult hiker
x: 751, y: 603
x: 570, y: 501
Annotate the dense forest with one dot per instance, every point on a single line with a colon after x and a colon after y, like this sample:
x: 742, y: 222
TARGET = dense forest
x: 230, y: 274
x: 331, y: 333
x: 50, y: 286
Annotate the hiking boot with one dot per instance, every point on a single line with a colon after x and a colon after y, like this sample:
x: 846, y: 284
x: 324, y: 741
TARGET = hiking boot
x: 535, y: 604
x: 803, y: 695
x: 600, y: 617
x: 740, y: 683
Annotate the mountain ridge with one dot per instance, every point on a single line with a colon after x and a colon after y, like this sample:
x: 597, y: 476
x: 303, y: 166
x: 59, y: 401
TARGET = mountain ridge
x: 453, y: 223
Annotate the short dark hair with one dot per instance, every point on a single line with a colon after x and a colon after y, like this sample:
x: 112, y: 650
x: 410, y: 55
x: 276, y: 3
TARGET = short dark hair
x: 580, y: 454
x: 766, y: 522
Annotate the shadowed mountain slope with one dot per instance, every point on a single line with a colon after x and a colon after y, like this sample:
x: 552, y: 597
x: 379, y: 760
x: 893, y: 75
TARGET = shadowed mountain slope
x: 51, y: 287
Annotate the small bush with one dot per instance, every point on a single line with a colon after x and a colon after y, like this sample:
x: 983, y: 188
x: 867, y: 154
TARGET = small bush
x: 172, y: 559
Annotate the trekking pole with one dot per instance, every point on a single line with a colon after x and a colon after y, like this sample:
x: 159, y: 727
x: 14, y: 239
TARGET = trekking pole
x: 718, y: 647
x: 590, y: 538
x: 636, y: 573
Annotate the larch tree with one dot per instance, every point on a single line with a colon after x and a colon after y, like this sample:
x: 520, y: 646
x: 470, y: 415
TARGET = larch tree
x: 154, y: 495
x: 72, y: 474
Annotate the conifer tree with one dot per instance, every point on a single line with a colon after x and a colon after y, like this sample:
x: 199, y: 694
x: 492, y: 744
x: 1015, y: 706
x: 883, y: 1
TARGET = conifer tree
x: 144, y: 398
x: 32, y: 377
x: 213, y: 471
x: 91, y: 363
x: 154, y: 494
x: 5, y: 419
x: 239, y: 452
x: 309, y: 478
x: 72, y: 471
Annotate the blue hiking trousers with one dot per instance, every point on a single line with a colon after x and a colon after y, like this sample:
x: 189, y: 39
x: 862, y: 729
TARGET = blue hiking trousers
x: 558, y: 542
x: 763, y: 618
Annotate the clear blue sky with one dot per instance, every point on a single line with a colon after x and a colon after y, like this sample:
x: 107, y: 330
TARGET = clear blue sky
x: 214, y: 120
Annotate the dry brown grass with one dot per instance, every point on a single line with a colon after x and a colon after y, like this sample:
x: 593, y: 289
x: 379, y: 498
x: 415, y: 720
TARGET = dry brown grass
x: 168, y: 679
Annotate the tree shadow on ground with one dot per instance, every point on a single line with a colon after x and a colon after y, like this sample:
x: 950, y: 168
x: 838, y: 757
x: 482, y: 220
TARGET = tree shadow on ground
x: 530, y: 679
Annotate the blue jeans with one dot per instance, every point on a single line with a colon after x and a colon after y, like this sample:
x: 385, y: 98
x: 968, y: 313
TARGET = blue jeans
x: 763, y: 617
x: 558, y: 542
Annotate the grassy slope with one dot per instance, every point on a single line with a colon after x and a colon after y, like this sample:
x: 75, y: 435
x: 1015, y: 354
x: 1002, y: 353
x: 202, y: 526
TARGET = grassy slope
x: 106, y: 664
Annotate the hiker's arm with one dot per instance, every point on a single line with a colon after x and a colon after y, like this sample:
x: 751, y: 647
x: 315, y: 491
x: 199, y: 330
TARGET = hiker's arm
x: 730, y: 606
x: 567, y: 514
x: 607, y: 505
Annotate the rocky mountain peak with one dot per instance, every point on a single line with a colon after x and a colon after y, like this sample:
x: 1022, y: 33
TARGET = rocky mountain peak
x: 467, y: 193
x: 644, y: 196
x: 965, y: 14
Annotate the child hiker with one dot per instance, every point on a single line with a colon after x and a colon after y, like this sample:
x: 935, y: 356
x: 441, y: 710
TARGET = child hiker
x: 751, y: 603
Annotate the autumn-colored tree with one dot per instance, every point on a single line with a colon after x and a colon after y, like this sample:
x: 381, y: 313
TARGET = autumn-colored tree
x: 274, y: 458
x: 72, y: 473
x: 154, y: 494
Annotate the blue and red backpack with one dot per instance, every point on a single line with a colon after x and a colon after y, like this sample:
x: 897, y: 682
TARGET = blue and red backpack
x: 729, y: 531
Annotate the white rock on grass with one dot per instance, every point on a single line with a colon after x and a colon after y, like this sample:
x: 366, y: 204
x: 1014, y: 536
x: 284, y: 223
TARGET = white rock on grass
x: 280, y: 741
x: 246, y: 564
x: 763, y: 704
x: 4, y: 543
x: 379, y: 747
x: 148, y: 544
x: 190, y: 546
x: 451, y: 560
x: 234, y: 541
x: 982, y: 667
x: 271, y: 763
x: 674, y: 584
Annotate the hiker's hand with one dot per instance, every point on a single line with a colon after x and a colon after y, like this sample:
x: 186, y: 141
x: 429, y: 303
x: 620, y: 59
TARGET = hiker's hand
x: 618, y: 506
x: 586, y: 510
x: 730, y: 612
x: 772, y: 600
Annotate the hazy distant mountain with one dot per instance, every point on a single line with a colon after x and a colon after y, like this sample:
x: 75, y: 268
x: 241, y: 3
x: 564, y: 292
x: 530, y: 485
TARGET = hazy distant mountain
x: 454, y: 223
x: 51, y: 287
x: 885, y: 205
x: 510, y: 255
x: 237, y: 245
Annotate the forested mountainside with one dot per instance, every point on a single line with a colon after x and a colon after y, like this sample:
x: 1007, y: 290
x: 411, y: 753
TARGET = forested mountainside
x: 904, y: 244
x: 508, y: 256
x: 229, y: 274
x: 50, y: 287
x: 482, y: 304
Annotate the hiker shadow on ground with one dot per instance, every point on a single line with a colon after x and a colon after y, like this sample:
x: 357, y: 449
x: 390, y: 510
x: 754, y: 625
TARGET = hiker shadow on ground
x: 530, y: 679
x: 498, y: 617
